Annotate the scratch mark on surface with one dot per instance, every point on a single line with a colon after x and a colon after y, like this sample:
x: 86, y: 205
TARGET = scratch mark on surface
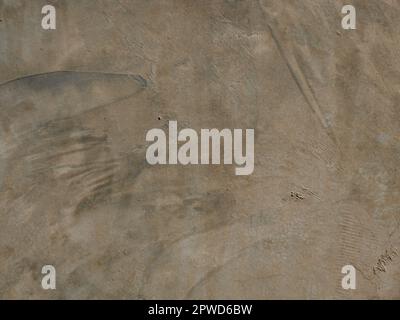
x: 218, y: 268
x: 142, y: 81
x: 299, y: 78
x: 384, y: 260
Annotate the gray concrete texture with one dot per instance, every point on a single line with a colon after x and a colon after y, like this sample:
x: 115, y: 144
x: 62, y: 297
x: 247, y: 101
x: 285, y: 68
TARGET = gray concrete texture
x: 76, y: 191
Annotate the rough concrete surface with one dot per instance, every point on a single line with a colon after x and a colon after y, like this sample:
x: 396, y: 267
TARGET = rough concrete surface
x: 76, y: 191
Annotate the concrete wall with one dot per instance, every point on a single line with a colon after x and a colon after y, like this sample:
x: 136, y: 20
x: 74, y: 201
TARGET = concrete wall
x: 77, y: 193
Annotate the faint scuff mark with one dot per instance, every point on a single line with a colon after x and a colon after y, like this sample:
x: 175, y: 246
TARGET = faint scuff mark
x: 299, y: 78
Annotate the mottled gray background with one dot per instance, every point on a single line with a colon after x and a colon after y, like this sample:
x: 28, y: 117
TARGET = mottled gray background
x: 75, y: 189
